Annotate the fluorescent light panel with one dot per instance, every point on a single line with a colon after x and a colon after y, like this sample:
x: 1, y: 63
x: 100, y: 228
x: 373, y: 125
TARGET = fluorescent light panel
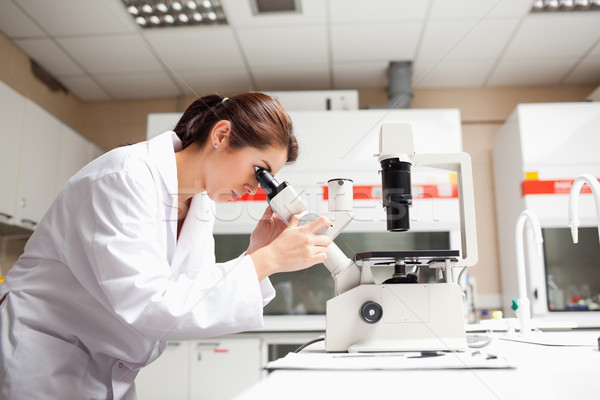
x: 565, y: 5
x: 167, y: 13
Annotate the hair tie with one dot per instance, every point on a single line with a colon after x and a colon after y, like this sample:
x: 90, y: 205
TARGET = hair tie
x: 224, y: 99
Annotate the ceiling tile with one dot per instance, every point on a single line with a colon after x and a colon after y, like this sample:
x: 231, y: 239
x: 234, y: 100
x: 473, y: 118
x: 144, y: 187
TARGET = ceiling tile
x: 295, y: 77
x: 84, y: 88
x: 46, y: 53
x: 375, y: 42
x: 451, y: 73
x: 344, y: 11
x: 555, y: 35
x: 239, y: 14
x: 284, y: 46
x: 595, y: 52
x: 530, y: 72
x: 588, y: 71
x: 203, y: 47
x: 15, y: 24
x: 360, y: 75
x: 110, y: 54
x: 76, y: 17
x: 466, y: 39
x: 222, y: 80
x: 139, y: 85
x: 457, y: 9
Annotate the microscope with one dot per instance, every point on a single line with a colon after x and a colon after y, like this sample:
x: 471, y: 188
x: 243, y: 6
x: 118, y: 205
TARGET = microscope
x: 399, y: 314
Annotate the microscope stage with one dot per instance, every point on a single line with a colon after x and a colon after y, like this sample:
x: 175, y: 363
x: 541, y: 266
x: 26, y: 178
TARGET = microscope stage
x: 419, y: 257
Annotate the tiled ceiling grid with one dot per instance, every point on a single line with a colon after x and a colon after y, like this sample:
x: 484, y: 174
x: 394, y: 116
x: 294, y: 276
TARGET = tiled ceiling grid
x: 95, y: 49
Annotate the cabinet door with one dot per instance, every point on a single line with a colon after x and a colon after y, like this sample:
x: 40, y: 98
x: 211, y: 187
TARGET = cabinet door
x: 39, y: 157
x: 223, y: 368
x: 168, y: 376
x: 74, y: 154
x: 12, y: 106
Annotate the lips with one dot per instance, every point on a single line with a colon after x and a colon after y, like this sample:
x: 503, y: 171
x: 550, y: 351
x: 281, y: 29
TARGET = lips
x: 234, y: 196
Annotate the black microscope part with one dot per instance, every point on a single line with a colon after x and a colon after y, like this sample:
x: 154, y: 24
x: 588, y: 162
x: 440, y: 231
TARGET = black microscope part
x: 396, y: 190
x: 268, y: 182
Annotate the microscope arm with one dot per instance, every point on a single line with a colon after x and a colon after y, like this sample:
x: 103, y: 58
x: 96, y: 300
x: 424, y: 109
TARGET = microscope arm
x: 460, y: 163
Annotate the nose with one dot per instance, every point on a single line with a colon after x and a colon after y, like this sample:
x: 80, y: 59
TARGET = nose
x: 251, y: 188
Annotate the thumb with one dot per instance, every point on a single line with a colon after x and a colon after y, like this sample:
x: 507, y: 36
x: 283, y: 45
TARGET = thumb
x: 267, y: 214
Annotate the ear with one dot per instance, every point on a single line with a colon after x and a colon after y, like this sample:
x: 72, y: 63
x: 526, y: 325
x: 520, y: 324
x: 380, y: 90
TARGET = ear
x: 220, y: 133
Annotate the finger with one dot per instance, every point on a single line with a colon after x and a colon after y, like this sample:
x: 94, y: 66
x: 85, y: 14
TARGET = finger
x: 294, y: 221
x: 319, y: 258
x: 268, y: 214
x: 318, y: 224
x: 322, y: 240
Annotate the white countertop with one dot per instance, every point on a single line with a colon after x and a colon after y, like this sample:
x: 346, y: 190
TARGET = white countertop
x: 565, y: 366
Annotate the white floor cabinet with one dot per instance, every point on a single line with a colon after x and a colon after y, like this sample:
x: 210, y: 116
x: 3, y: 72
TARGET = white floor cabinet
x: 202, y: 369
x: 215, y: 369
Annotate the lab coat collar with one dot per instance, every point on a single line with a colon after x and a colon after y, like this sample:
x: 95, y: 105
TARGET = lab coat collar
x: 162, y: 148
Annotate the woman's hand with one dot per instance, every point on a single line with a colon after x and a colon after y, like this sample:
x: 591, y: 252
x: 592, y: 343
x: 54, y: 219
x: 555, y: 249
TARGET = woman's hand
x: 296, y: 248
x: 268, y: 228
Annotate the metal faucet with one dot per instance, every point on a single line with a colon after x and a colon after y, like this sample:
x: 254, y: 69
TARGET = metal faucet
x: 522, y: 306
x: 573, y: 196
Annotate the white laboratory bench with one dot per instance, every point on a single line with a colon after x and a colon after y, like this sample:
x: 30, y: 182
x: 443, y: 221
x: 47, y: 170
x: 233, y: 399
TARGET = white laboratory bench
x: 565, y: 366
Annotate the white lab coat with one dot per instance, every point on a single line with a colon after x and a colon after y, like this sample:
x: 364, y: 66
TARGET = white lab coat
x: 104, y: 283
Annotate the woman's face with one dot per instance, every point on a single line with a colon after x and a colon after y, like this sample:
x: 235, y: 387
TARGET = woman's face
x: 232, y: 173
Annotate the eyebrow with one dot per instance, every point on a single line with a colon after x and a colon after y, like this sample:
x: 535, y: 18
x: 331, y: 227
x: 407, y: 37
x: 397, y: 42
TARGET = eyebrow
x: 268, y: 166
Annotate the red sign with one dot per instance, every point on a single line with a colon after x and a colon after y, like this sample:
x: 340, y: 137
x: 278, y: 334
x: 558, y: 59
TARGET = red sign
x: 373, y: 192
x: 562, y: 186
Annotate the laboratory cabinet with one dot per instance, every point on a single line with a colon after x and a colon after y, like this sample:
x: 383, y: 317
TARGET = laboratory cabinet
x: 537, y: 154
x: 38, y: 154
x: 74, y: 153
x: 218, y: 368
x: 12, y: 107
x: 37, y: 166
x: 168, y: 376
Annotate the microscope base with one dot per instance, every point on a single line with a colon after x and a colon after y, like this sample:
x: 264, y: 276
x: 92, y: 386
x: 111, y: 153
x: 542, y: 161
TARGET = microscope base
x: 404, y: 317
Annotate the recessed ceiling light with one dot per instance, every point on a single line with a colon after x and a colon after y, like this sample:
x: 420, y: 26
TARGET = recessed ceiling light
x: 564, y: 5
x: 170, y: 13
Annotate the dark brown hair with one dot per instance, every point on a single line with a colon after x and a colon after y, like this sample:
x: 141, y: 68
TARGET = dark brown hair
x: 257, y: 120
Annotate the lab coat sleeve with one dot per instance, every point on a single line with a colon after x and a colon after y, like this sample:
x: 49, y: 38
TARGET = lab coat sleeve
x: 120, y: 234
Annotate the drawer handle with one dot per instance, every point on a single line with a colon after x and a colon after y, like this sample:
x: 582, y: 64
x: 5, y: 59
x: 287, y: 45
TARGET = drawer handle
x: 29, y: 222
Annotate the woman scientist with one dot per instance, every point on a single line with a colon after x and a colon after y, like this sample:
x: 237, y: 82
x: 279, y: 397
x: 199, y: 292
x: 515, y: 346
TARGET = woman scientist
x: 123, y: 261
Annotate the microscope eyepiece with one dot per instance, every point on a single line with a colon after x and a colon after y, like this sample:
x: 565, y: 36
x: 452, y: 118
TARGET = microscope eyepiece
x: 268, y: 182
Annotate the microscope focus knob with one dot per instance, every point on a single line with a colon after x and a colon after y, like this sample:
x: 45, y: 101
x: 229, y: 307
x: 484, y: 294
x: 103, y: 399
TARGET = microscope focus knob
x: 371, y: 312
